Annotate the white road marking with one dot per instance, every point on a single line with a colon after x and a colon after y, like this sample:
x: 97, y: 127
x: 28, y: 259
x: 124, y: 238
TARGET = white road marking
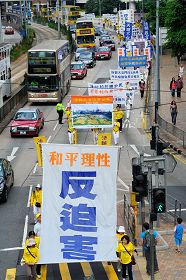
x: 11, y: 249
x: 11, y: 157
x: 25, y: 231
x: 35, y: 168
x: 137, y: 152
x: 49, y: 139
x: 172, y: 210
x: 123, y: 183
x: 29, y: 195
x: 55, y: 126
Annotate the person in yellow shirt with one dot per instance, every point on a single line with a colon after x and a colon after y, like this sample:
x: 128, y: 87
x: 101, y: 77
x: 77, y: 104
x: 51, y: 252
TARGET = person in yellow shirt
x: 36, y: 199
x: 115, y: 131
x: 118, y: 115
x: 71, y: 131
x: 125, y: 250
x: 119, y: 234
x: 31, y: 257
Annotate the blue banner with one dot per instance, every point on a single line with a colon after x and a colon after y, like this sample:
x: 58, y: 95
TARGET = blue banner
x: 132, y: 61
x: 128, y: 31
x: 146, y: 30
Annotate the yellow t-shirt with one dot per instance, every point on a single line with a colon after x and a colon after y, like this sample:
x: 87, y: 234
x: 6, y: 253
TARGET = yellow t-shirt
x: 125, y: 258
x: 119, y: 114
x: 116, y: 127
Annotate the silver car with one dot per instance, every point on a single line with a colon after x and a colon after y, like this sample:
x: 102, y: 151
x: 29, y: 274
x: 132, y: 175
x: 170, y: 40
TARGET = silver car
x: 78, y: 51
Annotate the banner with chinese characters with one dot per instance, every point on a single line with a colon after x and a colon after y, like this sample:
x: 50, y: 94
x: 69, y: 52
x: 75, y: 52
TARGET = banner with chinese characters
x: 146, y: 30
x: 125, y: 74
x: 128, y: 31
x: 79, y: 208
x: 118, y: 90
x: 104, y: 139
x: 132, y: 61
x: 91, y: 111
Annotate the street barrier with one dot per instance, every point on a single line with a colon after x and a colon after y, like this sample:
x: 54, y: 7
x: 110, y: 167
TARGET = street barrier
x: 10, y: 106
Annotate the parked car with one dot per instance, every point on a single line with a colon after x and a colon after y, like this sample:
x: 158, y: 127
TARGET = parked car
x: 109, y: 43
x: 103, y: 53
x: 98, y: 31
x: 78, y: 51
x: 27, y: 122
x: 102, y: 38
x: 88, y: 58
x: 6, y: 178
x: 9, y: 30
x: 78, y: 70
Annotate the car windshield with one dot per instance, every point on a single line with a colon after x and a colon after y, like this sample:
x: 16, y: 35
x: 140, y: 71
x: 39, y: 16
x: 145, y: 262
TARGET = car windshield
x: 43, y: 84
x: 103, y: 49
x: 1, y: 171
x: 22, y: 116
x: 109, y: 42
x: 81, y: 50
x: 105, y: 37
x: 76, y: 66
x: 86, y: 55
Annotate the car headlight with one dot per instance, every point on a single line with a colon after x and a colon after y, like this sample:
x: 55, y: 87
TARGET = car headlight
x: 1, y: 186
x: 54, y: 94
x: 32, y: 128
x: 13, y: 129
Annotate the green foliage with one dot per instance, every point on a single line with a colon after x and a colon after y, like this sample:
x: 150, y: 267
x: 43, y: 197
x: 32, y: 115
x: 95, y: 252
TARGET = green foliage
x: 26, y: 43
x: 107, y: 6
x: 175, y: 20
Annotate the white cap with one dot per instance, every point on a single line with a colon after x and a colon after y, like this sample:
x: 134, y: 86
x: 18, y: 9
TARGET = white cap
x: 38, y: 186
x: 121, y: 229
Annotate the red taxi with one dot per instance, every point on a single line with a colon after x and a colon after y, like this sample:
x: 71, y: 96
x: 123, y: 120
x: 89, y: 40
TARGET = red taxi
x: 103, y: 53
x: 78, y: 70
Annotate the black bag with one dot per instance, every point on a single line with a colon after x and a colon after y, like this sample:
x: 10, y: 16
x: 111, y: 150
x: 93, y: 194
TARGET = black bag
x: 38, y: 204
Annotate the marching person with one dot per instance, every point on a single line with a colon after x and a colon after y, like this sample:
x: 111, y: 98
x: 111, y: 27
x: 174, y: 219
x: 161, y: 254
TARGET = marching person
x: 118, y: 115
x: 37, y: 226
x: 173, y: 86
x: 115, y: 131
x: 125, y: 250
x: 71, y: 132
x: 119, y: 234
x: 60, y: 108
x: 36, y: 199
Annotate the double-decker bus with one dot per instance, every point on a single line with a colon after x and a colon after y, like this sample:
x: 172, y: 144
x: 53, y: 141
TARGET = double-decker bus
x: 5, y: 70
x: 85, y: 36
x: 70, y: 14
x: 48, y: 76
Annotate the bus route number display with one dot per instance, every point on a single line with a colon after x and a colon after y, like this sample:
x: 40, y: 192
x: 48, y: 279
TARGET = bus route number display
x: 88, y: 31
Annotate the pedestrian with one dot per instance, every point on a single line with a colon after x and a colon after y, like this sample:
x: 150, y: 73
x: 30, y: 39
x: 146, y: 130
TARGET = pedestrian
x: 173, y: 111
x: 178, y: 234
x: 36, y: 200
x: 71, y: 132
x: 119, y: 234
x: 173, y: 86
x: 31, y: 257
x: 149, y: 67
x: 118, y: 115
x: 125, y: 250
x: 37, y: 226
x: 181, y: 71
x: 179, y: 86
x: 147, y: 238
x: 142, y: 87
x: 115, y: 131
x: 60, y: 108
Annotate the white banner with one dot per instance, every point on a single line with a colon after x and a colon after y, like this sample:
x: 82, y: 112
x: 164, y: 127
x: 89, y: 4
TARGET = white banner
x: 125, y: 74
x: 79, y: 203
x: 118, y: 90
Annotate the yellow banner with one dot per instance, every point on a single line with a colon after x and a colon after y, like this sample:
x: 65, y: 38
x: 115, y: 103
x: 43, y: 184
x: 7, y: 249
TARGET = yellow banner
x: 133, y: 199
x: 38, y: 141
x: 104, y: 139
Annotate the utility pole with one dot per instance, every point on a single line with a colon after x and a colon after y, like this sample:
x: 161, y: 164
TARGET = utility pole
x: 58, y: 20
x: 1, y: 34
x: 99, y: 3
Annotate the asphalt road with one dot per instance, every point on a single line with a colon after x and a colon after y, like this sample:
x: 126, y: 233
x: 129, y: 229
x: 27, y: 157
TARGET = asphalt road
x: 27, y: 174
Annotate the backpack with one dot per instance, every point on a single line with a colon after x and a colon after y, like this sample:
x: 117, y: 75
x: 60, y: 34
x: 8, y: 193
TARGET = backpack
x: 147, y: 239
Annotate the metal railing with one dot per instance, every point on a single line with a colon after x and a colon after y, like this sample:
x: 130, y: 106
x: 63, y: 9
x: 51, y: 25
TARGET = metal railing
x: 172, y: 129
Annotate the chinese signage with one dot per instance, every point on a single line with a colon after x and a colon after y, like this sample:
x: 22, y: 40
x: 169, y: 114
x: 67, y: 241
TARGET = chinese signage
x: 132, y: 61
x: 146, y: 30
x: 91, y: 111
x: 104, y: 139
x: 79, y: 209
x: 128, y: 31
x: 125, y: 74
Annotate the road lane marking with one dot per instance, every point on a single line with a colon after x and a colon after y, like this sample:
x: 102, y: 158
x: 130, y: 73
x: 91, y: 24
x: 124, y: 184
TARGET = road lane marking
x: 123, y: 183
x: 173, y: 210
x: 49, y: 138
x: 35, y: 168
x: 10, y: 274
x: 25, y: 231
x: 43, y: 272
x: 29, y: 195
x: 55, y: 126
x: 11, y: 249
x: 12, y: 155
x: 64, y: 271
x: 86, y: 269
x: 110, y: 271
x: 137, y: 152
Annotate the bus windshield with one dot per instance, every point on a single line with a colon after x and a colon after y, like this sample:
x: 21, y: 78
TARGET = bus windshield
x: 43, y: 84
x: 41, y: 58
x: 85, y: 39
x: 83, y: 25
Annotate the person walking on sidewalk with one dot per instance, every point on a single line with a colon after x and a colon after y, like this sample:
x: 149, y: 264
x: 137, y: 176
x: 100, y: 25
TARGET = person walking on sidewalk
x: 118, y: 116
x: 142, y: 87
x: 60, y: 108
x: 173, y: 86
x: 125, y: 250
x: 181, y: 71
x: 174, y: 111
x: 147, y: 238
x: 178, y: 234
x: 179, y: 86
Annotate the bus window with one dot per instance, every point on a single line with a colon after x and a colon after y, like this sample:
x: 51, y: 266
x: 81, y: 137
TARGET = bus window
x: 85, y: 39
x: 80, y: 25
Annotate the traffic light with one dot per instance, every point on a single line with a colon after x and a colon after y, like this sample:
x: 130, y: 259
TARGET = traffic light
x: 140, y: 185
x: 159, y: 200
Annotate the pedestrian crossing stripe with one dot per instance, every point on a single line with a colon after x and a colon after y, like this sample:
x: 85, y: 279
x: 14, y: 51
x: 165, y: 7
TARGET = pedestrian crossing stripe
x: 73, y: 271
